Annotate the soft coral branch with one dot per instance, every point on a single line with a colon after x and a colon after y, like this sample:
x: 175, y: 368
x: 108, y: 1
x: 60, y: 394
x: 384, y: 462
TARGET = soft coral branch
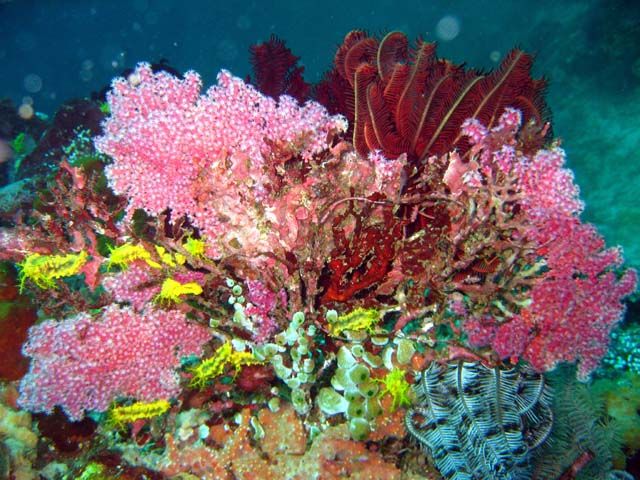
x: 576, y: 286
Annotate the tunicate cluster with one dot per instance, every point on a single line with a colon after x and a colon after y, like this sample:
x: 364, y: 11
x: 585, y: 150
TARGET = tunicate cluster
x: 297, y: 372
x: 237, y: 301
x: 354, y: 392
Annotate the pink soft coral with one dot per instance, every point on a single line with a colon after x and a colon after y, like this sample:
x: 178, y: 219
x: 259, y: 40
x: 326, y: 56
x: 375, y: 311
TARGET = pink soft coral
x: 576, y: 299
x: 83, y: 363
x: 214, y: 157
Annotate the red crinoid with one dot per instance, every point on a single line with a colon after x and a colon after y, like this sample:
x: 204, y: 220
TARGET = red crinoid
x: 276, y: 70
x: 401, y: 99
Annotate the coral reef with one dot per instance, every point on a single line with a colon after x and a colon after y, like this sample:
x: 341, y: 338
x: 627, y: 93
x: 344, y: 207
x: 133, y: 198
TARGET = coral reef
x: 574, y: 292
x: 234, y: 285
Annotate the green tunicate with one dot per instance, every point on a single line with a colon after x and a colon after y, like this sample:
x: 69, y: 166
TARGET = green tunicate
x: 299, y: 401
x: 373, y: 408
x: 238, y: 344
x: 368, y: 389
x: 230, y: 282
x: 358, y: 374
x: 303, y: 377
x: 236, y: 290
x: 303, y: 341
x: 258, y: 354
x: 405, y: 351
x: 380, y: 341
x: 270, y: 349
x: 372, y: 360
x: 356, y: 408
x: 311, y: 330
x: 357, y: 350
x: 239, y: 317
x: 345, y: 358
x: 387, y: 355
x: 340, y: 379
x: 293, y: 383
x: 331, y: 316
x: 274, y: 404
x: 356, y: 335
x: 303, y: 350
x: 308, y: 365
x: 282, y: 371
x: 295, y: 355
x: 240, y: 299
x: 290, y: 336
x: 297, y: 319
x: 331, y: 402
x: 352, y: 395
x: 359, y: 428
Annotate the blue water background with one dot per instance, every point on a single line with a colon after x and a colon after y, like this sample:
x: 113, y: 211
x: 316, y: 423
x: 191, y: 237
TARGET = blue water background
x: 51, y: 51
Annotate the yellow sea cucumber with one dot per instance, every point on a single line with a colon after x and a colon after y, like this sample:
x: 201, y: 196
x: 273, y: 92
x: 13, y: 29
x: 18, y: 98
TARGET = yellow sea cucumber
x: 357, y: 319
x: 44, y: 269
x: 120, y: 416
x: 216, y: 365
x: 172, y: 290
x: 125, y: 254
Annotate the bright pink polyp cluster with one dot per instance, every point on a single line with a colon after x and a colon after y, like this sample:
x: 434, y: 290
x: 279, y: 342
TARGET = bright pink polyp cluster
x: 577, y: 300
x: 137, y: 285
x: 84, y: 364
x: 203, y: 155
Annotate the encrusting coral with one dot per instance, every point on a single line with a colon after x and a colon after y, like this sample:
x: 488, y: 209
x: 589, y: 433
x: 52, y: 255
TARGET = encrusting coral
x: 18, y: 438
x: 283, y: 450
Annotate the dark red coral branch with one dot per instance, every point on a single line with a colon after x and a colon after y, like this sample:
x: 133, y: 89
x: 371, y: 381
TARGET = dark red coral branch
x: 361, y: 261
x: 276, y: 70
